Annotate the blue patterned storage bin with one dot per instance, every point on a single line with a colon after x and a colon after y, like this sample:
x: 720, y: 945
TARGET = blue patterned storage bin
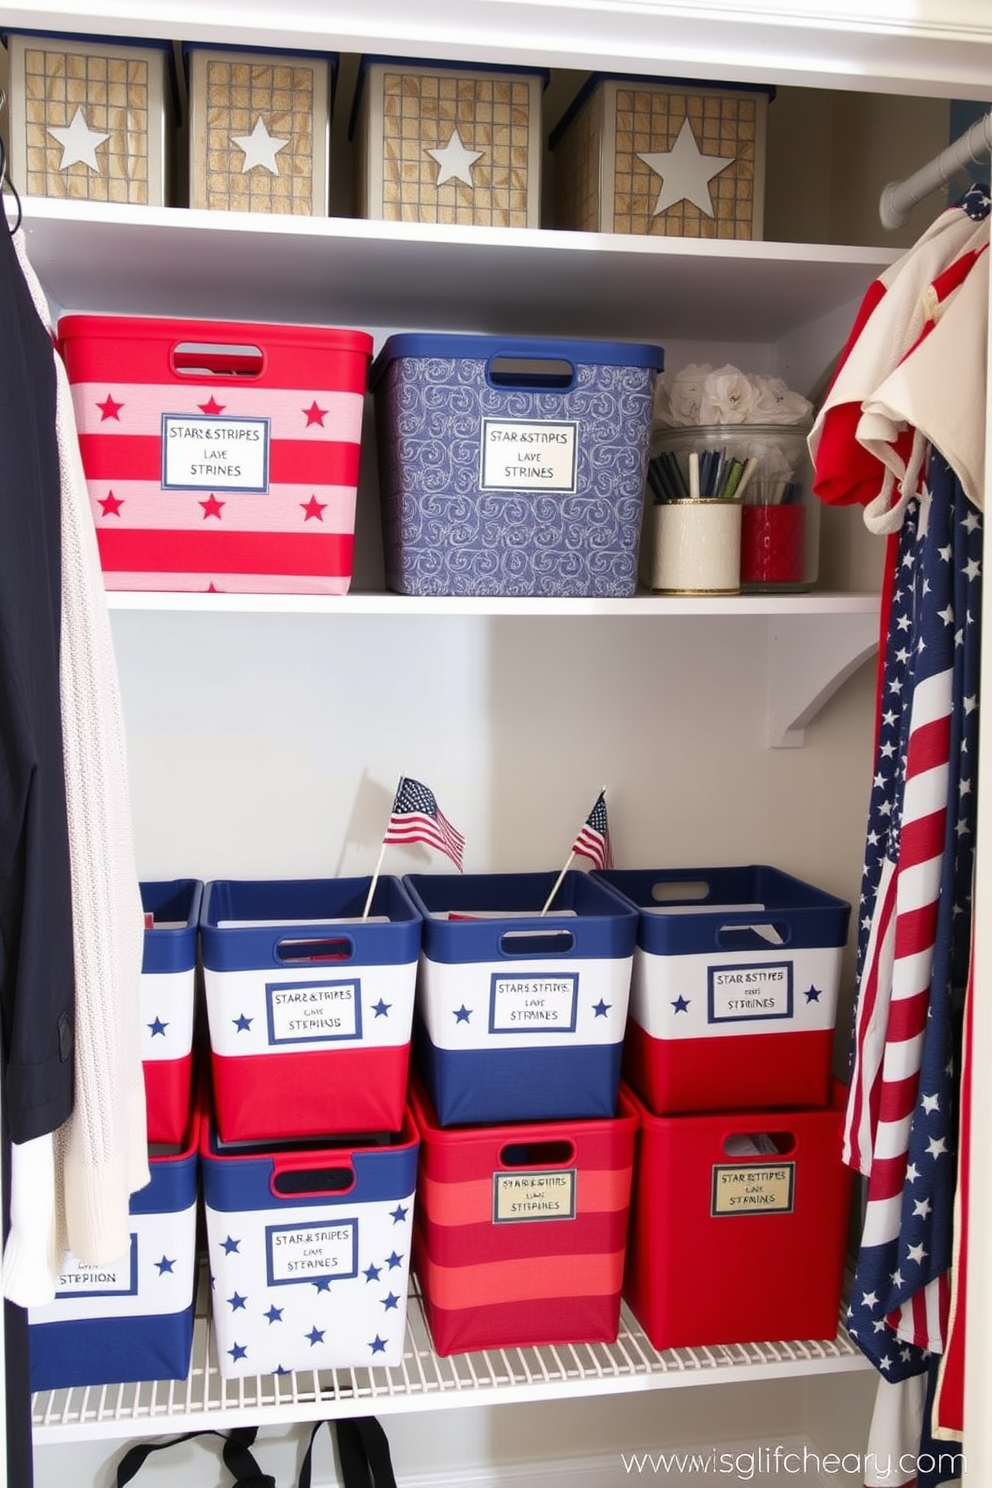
x: 512, y: 466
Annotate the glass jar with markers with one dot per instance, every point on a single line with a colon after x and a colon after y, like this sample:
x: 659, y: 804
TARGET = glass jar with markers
x: 729, y: 503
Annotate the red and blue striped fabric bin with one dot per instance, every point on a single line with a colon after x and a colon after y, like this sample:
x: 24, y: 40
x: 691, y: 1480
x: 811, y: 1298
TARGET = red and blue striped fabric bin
x: 521, y: 1228
x: 309, y: 1005
x: 219, y: 455
x: 168, y: 1003
x: 520, y: 1016
x: 309, y: 1249
x: 733, y: 999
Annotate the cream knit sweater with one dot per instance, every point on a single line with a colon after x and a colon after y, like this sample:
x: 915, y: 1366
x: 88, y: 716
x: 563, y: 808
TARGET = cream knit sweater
x: 71, y: 1190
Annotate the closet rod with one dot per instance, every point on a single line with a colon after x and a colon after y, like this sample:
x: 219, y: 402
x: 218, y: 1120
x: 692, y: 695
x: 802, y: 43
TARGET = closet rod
x: 899, y: 197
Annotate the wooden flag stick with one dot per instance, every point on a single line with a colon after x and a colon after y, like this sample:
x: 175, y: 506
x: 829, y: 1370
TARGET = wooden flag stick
x: 375, y: 880
x: 558, y: 883
x: 382, y: 854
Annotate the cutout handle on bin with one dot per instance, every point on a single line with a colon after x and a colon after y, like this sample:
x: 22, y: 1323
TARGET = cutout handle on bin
x: 554, y: 373
x: 536, y: 942
x: 288, y: 1183
x: 548, y: 1154
x: 329, y: 948
x: 759, y: 1144
x: 752, y: 937
x: 672, y: 891
x: 209, y: 359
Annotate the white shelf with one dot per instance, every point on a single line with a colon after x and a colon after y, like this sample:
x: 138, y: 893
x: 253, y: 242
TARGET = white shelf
x: 424, y: 1381
x: 937, y: 47
x: 238, y: 265
x: 795, y: 606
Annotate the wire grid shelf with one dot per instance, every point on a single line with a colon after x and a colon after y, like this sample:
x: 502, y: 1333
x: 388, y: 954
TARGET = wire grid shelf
x: 424, y: 1381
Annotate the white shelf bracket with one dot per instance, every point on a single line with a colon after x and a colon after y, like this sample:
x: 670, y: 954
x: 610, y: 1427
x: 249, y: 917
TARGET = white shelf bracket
x: 808, y: 660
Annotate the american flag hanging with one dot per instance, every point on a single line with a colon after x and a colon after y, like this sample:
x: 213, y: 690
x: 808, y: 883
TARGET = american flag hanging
x: 914, y: 932
x: 416, y: 817
x: 593, y: 840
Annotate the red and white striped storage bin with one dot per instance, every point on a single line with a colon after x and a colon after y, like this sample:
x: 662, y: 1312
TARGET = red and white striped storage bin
x: 738, y: 1225
x: 219, y: 455
x: 521, y: 1229
x: 168, y: 1003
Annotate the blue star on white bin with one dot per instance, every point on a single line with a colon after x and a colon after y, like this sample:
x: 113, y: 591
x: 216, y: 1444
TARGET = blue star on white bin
x: 685, y: 172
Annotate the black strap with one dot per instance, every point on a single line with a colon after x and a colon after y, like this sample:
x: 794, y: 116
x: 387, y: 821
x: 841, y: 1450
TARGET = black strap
x: 363, y: 1452
x: 237, y: 1458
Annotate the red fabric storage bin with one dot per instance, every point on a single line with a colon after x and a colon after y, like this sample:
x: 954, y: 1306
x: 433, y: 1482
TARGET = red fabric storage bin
x: 520, y: 1229
x: 219, y: 455
x: 737, y: 1246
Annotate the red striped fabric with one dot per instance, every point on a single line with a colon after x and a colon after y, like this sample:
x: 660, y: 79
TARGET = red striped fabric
x: 212, y: 552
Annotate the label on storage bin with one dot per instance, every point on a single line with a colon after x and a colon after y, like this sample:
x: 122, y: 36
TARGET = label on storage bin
x: 767, y: 1189
x: 533, y: 1004
x: 310, y: 1251
x: 314, y: 1012
x: 523, y: 1196
x: 518, y: 455
x: 746, y: 992
x: 215, y: 454
x: 119, y: 1278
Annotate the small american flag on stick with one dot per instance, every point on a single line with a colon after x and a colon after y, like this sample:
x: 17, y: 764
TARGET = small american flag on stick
x: 593, y: 840
x: 416, y: 817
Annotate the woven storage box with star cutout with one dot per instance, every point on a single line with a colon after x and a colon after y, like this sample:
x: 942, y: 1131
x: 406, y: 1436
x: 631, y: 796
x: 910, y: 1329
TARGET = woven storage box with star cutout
x: 662, y: 158
x: 90, y: 120
x: 439, y: 143
x: 258, y: 130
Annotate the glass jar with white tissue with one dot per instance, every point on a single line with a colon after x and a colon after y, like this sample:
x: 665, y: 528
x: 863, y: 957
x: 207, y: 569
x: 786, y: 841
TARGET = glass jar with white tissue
x: 765, y: 467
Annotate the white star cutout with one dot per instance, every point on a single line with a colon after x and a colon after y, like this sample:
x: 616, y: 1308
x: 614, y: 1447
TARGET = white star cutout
x: 685, y: 172
x: 455, y: 162
x: 922, y: 1207
x: 79, y: 142
x: 260, y: 148
x: 937, y: 1146
x: 930, y: 1103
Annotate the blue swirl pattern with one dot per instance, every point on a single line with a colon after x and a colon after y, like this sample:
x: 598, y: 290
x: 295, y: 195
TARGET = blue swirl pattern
x: 443, y: 535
